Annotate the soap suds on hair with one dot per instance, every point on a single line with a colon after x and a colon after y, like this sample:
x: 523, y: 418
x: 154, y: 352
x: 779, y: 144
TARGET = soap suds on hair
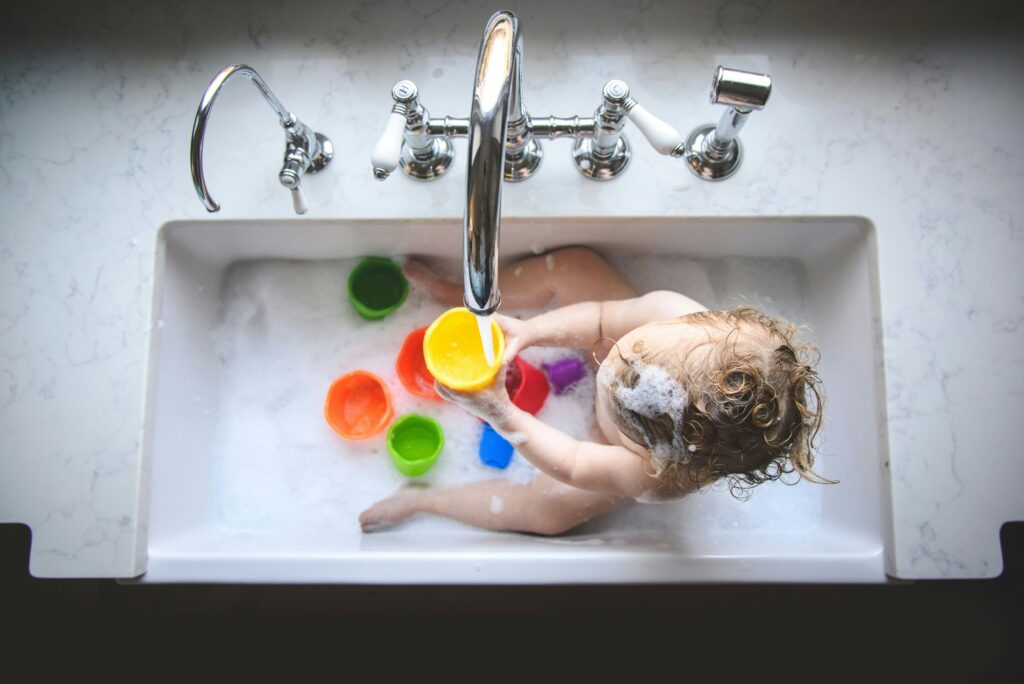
x: 656, y: 394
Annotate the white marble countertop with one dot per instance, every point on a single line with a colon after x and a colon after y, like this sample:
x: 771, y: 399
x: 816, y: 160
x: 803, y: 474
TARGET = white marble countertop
x: 909, y: 115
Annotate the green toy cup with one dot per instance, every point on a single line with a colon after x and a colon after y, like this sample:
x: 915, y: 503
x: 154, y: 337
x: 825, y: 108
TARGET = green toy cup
x: 414, y: 442
x: 376, y: 287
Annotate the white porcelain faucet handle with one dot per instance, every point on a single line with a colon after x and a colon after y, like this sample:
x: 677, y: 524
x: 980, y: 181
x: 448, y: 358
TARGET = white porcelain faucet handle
x: 299, y: 200
x: 388, y: 150
x: 663, y: 137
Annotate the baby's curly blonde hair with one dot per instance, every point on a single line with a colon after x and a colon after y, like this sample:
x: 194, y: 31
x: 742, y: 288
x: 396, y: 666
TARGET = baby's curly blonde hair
x: 753, y: 405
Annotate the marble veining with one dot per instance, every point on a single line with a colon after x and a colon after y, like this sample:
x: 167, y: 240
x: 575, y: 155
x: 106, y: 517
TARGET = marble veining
x: 904, y: 114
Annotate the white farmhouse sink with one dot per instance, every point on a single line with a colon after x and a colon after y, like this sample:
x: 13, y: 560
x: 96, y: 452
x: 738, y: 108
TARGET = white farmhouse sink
x: 274, y: 499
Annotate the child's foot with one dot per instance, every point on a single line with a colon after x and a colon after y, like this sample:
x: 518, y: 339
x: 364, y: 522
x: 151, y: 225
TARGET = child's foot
x: 431, y: 284
x: 390, y: 511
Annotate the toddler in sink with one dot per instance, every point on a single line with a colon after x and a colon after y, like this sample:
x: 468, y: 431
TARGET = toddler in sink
x: 685, y: 397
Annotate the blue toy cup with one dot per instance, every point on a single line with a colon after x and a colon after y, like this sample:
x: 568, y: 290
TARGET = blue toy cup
x: 495, y: 451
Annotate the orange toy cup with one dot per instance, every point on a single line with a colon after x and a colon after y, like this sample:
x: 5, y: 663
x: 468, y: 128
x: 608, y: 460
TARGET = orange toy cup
x: 358, y: 405
x: 412, y: 369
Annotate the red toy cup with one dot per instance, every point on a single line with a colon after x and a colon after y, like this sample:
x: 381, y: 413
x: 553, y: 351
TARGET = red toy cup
x: 527, y: 386
x: 412, y: 368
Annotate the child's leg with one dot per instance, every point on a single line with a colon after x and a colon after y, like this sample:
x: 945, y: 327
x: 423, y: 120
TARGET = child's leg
x: 543, y: 506
x: 570, y: 275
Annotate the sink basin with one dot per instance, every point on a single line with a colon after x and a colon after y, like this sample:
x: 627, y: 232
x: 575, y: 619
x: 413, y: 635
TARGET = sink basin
x: 243, y: 495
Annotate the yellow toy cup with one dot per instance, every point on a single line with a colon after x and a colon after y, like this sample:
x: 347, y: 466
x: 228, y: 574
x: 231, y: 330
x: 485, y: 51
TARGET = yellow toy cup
x: 455, y: 354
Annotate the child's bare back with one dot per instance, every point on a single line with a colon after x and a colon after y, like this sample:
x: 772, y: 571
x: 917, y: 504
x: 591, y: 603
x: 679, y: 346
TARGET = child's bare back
x: 685, y: 397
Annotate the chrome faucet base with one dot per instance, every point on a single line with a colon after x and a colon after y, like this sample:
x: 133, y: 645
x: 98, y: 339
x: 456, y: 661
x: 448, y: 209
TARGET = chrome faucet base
x: 598, y: 167
x: 709, y: 161
x: 324, y: 154
x: 430, y: 166
x: 524, y: 163
x: 714, y: 152
x: 422, y: 146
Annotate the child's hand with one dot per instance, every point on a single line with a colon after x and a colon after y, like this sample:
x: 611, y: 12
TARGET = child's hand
x: 518, y: 334
x: 491, y: 403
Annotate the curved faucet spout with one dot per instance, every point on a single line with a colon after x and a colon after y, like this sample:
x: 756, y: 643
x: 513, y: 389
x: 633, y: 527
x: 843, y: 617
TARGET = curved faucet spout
x: 203, y: 114
x: 497, y: 102
x: 305, y: 149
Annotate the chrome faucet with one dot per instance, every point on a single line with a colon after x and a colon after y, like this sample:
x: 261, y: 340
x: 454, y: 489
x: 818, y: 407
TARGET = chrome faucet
x: 496, y: 112
x: 305, y: 149
x: 711, y: 152
x: 422, y: 146
x: 503, y: 142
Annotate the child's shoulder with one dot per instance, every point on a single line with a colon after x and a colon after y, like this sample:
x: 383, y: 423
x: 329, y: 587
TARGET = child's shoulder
x: 671, y: 304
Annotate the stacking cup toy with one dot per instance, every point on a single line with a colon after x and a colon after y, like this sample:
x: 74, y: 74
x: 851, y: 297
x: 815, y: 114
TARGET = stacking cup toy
x: 412, y: 368
x: 414, y: 443
x: 376, y: 287
x: 358, y: 405
x: 495, y: 451
x: 564, y: 373
x: 526, y: 385
x: 528, y: 389
x: 454, y: 353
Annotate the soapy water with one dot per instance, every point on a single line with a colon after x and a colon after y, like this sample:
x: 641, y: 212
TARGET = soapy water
x: 286, y: 331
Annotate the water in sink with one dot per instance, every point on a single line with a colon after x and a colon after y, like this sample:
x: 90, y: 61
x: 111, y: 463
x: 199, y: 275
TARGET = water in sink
x: 286, y: 330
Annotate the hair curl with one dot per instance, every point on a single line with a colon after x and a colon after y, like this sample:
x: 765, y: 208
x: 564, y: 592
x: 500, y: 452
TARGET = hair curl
x: 754, y: 412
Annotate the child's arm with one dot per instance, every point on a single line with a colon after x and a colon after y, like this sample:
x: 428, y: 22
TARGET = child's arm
x: 580, y: 325
x: 584, y: 465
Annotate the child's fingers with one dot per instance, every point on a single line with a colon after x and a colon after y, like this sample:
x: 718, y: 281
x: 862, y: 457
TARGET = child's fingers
x: 446, y: 392
x: 512, y: 328
x: 463, y: 398
x: 512, y: 347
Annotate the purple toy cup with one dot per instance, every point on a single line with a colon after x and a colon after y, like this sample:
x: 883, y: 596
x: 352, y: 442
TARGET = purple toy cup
x: 564, y: 373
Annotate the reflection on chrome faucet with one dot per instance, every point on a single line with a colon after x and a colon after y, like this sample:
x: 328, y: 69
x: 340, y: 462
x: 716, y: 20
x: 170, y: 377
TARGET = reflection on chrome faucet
x: 503, y: 142
x: 422, y: 146
x: 305, y: 149
x: 496, y: 111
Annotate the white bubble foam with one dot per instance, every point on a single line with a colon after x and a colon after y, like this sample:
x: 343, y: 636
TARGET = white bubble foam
x: 497, y: 505
x: 656, y: 393
x: 287, y: 330
x: 517, y: 438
